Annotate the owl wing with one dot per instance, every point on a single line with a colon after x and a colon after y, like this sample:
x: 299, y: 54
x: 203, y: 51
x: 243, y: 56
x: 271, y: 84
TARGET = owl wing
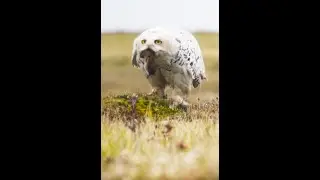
x: 189, y: 56
x: 134, y: 55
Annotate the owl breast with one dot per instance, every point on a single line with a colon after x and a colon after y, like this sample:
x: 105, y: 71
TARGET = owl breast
x: 177, y: 76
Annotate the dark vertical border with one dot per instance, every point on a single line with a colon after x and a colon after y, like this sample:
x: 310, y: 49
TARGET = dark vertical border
x: 258, y: 111
x: 54, y: 90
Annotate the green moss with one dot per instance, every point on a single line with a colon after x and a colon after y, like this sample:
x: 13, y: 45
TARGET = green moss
x: 146, y: 106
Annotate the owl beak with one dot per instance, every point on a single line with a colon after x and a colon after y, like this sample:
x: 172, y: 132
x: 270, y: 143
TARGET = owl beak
x: 147, y: 52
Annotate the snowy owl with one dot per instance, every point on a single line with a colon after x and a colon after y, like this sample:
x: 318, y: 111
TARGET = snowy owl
x: 169, y: 58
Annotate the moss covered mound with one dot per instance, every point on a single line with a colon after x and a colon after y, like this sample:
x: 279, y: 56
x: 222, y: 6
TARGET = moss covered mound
x: 138, y: 106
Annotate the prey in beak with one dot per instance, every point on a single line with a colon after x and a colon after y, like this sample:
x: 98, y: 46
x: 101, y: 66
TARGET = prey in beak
x: 149, y: 65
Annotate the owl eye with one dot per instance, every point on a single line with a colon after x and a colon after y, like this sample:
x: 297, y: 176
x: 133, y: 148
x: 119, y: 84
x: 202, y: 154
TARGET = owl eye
x: 157, y: 41
x: 143, y: 41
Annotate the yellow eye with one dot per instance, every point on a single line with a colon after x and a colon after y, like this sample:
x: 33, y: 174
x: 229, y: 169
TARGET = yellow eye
x: 158, y: 41
x: 143, y: 41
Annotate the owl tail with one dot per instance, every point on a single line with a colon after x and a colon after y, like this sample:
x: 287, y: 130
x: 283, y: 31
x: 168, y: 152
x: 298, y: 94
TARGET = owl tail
x: 203, y: 76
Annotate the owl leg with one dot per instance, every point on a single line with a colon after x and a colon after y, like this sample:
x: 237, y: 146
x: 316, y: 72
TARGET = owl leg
x: 158, y: 91
x: 153, y: 91
x: 185, y: 92
x: 180, y: 100
x: 157, y: 84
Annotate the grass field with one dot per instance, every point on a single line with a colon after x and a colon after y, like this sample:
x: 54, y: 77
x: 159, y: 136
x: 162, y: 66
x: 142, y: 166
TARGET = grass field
x: 175, y: 148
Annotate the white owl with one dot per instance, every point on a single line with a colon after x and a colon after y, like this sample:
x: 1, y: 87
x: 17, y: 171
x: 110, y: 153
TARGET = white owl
x: 169, y: 58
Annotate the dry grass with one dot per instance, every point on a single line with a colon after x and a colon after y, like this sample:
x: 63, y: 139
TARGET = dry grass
x: 183, y: 147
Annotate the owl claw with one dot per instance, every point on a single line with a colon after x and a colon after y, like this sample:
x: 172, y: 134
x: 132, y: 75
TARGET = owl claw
x: 178, y: 102
x: 158, y: 92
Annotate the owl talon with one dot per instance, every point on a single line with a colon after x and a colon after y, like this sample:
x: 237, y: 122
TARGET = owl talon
x: 178, y: 102
x: 157, y: 92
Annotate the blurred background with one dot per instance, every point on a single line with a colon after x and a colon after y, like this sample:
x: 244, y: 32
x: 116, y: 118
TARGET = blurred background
x: 123, y: 20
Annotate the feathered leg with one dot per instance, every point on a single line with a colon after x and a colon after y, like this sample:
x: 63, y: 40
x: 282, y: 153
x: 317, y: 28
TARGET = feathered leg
x: 181, y: 100
x: 157, y: 84
x: 157, y: 91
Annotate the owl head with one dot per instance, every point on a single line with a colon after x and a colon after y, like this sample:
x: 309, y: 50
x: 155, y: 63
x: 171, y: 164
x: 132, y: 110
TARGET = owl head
x: 152, y: 43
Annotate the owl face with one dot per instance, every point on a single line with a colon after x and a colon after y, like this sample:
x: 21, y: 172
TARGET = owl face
x: 156, y: 40
x: 154, y: 48
x: 153, y: 43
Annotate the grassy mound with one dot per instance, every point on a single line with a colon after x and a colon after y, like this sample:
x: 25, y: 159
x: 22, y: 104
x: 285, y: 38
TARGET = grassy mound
x: 138, y: 106
x: 183, y: 145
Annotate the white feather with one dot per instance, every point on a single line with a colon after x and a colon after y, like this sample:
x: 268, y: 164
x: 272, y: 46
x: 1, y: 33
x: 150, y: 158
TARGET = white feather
x: 179, y: 61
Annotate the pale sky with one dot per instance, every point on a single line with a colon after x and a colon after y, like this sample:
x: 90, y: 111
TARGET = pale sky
x: 136, y: 15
